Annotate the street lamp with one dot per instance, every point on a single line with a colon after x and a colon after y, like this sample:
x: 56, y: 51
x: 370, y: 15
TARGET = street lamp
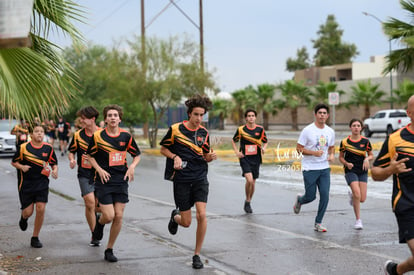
x: 389, y: 41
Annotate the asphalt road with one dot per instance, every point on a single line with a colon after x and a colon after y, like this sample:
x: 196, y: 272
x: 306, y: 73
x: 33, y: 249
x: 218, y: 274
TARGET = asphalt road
x: 272, y: 240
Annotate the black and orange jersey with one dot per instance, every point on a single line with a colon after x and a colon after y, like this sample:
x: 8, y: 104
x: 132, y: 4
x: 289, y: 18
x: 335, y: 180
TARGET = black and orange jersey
x: 22, y: 134
x: 39, y: 159
x: 79, y: 145
x: 110, y: 154
x: 251, y: 141
x: 190, y: 145
x: 400, y: 142
x: 355, y: 152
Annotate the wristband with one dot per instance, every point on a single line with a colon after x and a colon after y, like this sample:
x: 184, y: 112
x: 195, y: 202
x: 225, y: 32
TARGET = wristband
x: 174, y: 157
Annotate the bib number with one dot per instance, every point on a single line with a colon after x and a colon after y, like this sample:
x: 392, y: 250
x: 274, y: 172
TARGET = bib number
x: 250, y: 149
x: 117, y: 158
x: 85, y: 162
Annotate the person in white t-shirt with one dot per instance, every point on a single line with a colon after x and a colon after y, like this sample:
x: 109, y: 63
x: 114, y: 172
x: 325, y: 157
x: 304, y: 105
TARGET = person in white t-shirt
x: 316, y: 145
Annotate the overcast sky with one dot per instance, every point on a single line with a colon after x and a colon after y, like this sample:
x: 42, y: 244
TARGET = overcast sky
x: 246, y: 41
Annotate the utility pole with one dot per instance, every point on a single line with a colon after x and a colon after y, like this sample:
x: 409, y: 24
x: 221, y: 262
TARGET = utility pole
x: 201, y: 38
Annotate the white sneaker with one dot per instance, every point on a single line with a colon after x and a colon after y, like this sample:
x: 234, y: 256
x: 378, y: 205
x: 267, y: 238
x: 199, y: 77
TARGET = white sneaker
x: 351, y: 199
x: 320, y: 228
x: 358, y: 225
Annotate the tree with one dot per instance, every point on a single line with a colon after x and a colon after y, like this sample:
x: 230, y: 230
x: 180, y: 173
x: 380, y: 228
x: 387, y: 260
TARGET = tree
x: 401, y: 59
x: 37, y: 81
x: 301, y: 62
x: 222, y: 109
x: 321, y: 92
x: 403, y: 93
x: 294, y: 95
x: 330, y: 49
x: 367, y: 94
x: 265, y: 103
x: 172, y: 72
x: 243, y: 99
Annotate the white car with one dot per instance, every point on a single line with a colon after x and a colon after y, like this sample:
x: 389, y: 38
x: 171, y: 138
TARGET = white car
x: 7, y: 140
x: 386, y: 121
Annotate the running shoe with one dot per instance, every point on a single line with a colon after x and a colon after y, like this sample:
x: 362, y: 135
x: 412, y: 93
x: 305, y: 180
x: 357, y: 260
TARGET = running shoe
x: 390, y: 268
x: 358, y: 225
x: 320, y: 228
x: 197, y: 263
x: 98, y: 231
x: 109, y: 256
x: 94, y: 242
x: 351, y: 199
x: 247, y: 208
x: 172, y: 224
x: 297, y: 205
x: 23, y: 223
x: 34, y: 242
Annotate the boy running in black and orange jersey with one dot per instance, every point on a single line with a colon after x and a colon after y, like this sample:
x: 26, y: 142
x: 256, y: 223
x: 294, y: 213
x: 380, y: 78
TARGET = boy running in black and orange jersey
x: 187, y: 148
x: 396, y: 159
x: 79, y: 145
x: 107, y: 155
x: 21, y: 132
x: 32, y: 160
x: 63, y: 129
x: 253, y: 143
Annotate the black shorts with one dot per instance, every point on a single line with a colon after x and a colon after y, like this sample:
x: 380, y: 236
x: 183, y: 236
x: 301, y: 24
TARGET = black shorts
x: 249, y: 166
x: 63, y: 137
x: 188, y: 193
x: 405, y: 226
x: 111, y: 194
x: 27, y: 198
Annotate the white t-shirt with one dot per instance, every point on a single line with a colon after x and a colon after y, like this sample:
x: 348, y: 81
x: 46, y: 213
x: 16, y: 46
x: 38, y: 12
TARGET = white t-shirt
x: 315, y: 139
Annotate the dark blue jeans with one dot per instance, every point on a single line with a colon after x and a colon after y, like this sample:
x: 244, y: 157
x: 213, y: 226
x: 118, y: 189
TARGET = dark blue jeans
x: 322, y: 180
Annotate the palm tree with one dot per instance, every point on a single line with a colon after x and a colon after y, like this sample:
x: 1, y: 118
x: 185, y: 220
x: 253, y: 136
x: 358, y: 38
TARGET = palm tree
x: 367, y: 94
x: 404, y: 92
x: 265, y: 104
x: 222, y: 109
x: 401, y: 59
x: 321, y: 92
x: 37, y: 81
x: 243, y: 99
x: 294, y: 95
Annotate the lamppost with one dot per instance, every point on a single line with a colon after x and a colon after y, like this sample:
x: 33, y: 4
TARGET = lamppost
x: 389, y: 41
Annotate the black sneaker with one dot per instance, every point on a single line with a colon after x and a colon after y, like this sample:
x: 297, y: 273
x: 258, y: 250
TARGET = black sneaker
x: 98, y: 231
x: 34, y: 242
x: 172, y: 224
x: 94, y: 242
x: 23, y: 223
x: 390, y: 268
x: 247, y: 208
x: 197, y: 263
x: 109, y: 256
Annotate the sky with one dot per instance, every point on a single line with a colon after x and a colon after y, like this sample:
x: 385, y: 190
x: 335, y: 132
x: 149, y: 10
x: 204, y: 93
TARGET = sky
x: 247, y: 42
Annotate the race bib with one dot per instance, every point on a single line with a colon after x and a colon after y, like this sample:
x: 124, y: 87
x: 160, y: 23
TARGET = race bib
x: 46, y: 170
x: 23, y: 137
x: 250, y: 149
x: 117, y: 158
x: 85, y: 162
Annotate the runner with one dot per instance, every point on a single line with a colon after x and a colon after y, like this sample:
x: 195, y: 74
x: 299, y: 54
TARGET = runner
x: 187, y: 148
x: 396, y: 158
x: 107, y: 155
x: 79, y: 145
x: 253, y: 143
x: 317, y: 145
x: 32, y: 160
x: 353, y: 152
x: 63, y: 128
x: 21, y: 132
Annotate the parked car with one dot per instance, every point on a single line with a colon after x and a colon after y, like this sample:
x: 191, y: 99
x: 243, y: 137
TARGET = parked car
x: 386, y: 121
x: 7, y: 140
